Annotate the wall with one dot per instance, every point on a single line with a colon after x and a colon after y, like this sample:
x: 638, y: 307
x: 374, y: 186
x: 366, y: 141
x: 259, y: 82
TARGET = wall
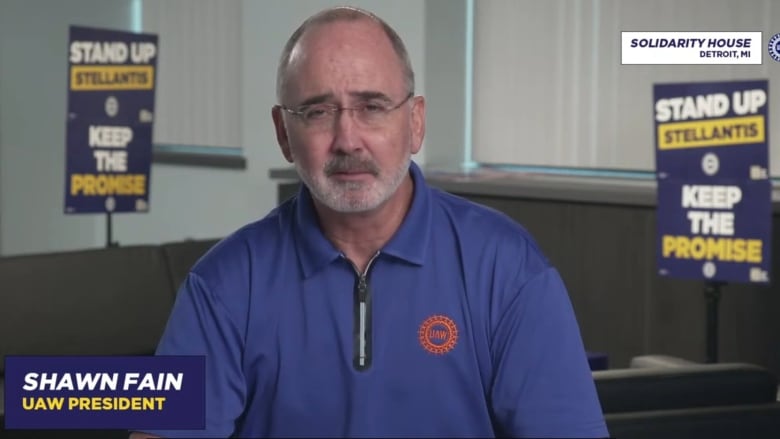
x: 550, y: 90
x: 33, y: 81
x: 185, y: 202
x: 447, y: 86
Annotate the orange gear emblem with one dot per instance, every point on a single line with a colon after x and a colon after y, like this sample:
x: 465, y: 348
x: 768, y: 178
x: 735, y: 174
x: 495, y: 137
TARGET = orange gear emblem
x: 438, y: 334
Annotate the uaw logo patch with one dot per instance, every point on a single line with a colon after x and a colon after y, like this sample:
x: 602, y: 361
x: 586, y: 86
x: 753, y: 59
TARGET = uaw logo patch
x: 774, y: 47
x: 438, y: 334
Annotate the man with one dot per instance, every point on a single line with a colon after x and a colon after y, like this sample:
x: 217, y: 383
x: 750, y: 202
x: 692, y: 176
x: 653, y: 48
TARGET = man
x: 371, y: 304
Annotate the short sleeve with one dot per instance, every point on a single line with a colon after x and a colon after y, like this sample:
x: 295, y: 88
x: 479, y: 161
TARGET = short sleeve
x: 542, y: 384
x: 199, y: 324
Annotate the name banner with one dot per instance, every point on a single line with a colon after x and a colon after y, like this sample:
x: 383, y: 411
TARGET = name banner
x: 154, y: 392
x: 111, y: 80
x: 714, y: 217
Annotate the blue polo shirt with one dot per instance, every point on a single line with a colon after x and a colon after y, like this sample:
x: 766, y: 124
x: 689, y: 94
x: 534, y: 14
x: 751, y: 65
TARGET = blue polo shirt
x: 459, y: 327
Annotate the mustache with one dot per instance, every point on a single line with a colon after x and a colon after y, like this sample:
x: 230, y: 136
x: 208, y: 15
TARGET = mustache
x: 349, y: 163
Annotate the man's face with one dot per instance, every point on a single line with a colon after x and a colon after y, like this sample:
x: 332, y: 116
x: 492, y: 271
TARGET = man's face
x: 351, y: 161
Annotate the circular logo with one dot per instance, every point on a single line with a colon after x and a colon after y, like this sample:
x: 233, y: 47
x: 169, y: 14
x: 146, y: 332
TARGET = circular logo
x: 710, y: 164
x: 112, y: 106
x: 438, y: 334
x: 141, y: 205
x: 774, y: 47
x: 110, y: 204
x: 708, y: 269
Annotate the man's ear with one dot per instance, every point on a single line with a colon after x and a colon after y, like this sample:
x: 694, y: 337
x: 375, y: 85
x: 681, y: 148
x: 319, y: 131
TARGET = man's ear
x: 281, y: 132
x: 418, y: 123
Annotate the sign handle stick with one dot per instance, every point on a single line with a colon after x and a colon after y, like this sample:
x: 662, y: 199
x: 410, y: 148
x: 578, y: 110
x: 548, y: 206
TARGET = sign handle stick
x: 712, y: 296
x: 109, y: 238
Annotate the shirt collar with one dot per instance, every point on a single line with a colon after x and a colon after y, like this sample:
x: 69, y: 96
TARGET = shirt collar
x: 409, y: 243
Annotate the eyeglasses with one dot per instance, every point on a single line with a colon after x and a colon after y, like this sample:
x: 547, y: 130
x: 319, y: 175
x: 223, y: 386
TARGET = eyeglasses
x: 371, y: 113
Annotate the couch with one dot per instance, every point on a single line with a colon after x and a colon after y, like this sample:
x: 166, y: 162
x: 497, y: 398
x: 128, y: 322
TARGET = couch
x: 671, y: 398
x: 108, y: 301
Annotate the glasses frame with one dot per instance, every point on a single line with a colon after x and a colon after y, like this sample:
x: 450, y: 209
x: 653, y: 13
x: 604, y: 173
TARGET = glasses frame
x: 337, y: 109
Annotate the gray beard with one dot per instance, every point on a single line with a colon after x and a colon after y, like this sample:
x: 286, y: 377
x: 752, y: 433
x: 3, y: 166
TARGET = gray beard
x: 346, y: 197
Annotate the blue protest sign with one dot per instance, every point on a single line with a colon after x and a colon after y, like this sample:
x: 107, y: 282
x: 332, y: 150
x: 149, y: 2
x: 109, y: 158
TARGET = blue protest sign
x: 111, y: 79
x: 714, y: 193
x: 162, y: 392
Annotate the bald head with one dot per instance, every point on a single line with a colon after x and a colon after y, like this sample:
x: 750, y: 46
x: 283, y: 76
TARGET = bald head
x: 332, y: 15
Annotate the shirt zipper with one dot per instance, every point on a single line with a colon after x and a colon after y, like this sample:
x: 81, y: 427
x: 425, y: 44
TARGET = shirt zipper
x: 362, y: 345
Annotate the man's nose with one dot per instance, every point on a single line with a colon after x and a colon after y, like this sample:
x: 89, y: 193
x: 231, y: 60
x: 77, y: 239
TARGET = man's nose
x: 345, y: 131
